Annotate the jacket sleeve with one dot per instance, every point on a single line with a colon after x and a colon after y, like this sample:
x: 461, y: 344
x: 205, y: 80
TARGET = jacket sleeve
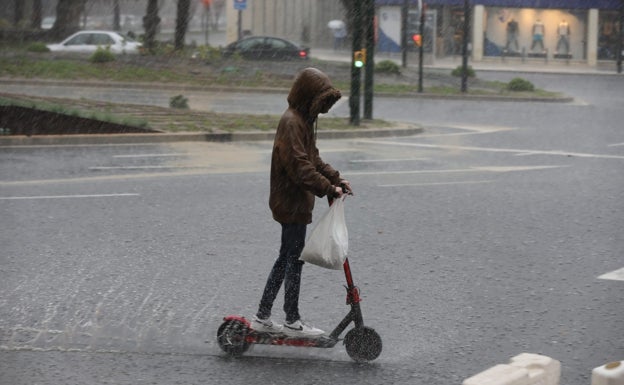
x: 298, y: 165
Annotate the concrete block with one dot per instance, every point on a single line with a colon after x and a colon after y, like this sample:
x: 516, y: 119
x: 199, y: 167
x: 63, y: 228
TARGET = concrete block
x: 543, y: 370
x: 500, y: 375
x: 523, y: 369
x: 609, y: 374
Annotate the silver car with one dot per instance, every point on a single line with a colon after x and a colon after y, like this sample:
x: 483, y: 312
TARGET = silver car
x: 89, y: 41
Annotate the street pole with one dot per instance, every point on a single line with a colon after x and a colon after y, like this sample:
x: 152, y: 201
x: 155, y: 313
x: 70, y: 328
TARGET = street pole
x: 619, y: 45
x: 206, y: 19
x: 240, y: 24
x: 464, y: 77
x: 354, y: 98
x: 421, y: 49
x: 370, y: 54
x: 404, y: 11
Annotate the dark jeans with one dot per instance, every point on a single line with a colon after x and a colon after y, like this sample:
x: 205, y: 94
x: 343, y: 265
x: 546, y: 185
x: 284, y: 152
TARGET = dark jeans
x: 287, y: 269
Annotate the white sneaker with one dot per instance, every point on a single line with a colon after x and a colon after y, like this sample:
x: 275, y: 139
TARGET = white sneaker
x: 300, y: 329
x: 266, y: 325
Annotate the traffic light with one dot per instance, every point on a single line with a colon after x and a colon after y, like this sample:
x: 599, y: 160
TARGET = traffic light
x: 417, y: 39
x: 359, y: 58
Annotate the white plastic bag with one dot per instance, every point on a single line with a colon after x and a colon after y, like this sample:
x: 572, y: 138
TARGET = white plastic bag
x: 328, y: 243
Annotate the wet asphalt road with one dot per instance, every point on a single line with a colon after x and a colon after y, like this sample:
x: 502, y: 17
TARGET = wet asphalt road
x: 480, y: 239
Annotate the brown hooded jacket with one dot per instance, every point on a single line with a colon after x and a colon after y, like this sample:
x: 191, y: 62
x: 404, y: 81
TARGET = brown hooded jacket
x: 297, y: 171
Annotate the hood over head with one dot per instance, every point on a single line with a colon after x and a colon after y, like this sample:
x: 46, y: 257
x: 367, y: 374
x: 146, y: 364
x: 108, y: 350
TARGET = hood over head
x: 312, y: 93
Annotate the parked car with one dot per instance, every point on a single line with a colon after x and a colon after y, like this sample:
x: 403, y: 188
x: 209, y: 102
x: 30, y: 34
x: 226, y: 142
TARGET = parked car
x: 48, y: 22
x: 89, y: 41
x: 266, y: 48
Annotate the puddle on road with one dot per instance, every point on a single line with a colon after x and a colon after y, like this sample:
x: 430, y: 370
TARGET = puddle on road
x: 223, y: 157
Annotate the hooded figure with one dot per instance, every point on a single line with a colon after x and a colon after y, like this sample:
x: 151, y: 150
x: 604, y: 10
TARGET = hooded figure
x: 297, y: 171
x: 298, y: 174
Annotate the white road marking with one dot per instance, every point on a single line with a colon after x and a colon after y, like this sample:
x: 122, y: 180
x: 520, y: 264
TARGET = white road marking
x: 476, y: 129
x: 504, y: 150
x: 617, y: 275
x: 516, y: 168
x: 103, y: 168
x: 326, y: 150
x: 435, y: 183
x: 71, y: 196
x: 615, y: 144
x: 458, y: 170
x: 387, y: 160
x: 159, y: 174
x: 81, y: 145
x: 148, y: 155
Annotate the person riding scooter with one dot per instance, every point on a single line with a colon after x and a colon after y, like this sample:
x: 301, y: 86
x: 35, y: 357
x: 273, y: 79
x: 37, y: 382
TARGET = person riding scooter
x: 298, y: 174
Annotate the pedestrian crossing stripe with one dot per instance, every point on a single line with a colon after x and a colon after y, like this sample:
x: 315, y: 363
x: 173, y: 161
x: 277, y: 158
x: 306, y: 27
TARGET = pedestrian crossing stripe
x: 617, y: 275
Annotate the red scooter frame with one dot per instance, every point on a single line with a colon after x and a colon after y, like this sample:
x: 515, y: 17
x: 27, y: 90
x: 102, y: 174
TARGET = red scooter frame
x: 235, y: 335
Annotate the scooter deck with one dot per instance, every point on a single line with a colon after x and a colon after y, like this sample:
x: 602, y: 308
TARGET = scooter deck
x: 281, y: 339
x: 267, y: 338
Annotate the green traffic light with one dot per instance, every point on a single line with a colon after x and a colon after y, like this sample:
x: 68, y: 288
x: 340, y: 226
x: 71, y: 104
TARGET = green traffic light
x: 359, y: 58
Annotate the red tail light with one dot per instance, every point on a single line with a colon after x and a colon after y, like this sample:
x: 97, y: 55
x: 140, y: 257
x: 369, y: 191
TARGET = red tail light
x: 303, y: 54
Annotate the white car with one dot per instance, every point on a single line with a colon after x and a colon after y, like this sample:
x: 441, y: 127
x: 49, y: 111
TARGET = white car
x: 48, y: 22
x: 89, y: 41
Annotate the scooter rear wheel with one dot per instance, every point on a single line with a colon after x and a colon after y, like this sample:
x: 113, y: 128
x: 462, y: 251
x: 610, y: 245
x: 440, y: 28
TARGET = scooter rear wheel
x: 231, y: 337
x: 363, y: 344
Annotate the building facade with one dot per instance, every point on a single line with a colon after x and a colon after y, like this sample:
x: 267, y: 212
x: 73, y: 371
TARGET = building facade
x: 302, y: 21
x: 579, y: 30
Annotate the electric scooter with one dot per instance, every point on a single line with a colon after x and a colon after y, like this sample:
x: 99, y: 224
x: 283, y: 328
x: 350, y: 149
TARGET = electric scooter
x: 235, y: 335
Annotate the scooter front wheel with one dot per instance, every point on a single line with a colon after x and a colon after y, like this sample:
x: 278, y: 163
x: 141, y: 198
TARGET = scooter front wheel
x: 363, y: 344
x: 231, y: 337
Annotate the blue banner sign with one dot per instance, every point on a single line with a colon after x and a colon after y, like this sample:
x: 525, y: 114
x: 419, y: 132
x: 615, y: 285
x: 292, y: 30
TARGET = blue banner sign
x: 240, y: 5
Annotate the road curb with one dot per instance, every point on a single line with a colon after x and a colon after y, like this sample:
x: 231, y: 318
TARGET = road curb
x: 100, y: 139
x: 142, y: 85
x: 275, y: 90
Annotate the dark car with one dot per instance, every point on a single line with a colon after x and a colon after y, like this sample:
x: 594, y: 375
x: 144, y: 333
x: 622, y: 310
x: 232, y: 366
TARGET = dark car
x: 266, y: 48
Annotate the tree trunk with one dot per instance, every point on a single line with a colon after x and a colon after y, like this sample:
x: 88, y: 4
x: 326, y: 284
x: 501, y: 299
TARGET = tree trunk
x: 19, y: 13
x: 35, y: 20
x: 150, y: 23
x: 116, y: 16
x: 349, y: 6
x: 182, y: 20
x: 67, y: 17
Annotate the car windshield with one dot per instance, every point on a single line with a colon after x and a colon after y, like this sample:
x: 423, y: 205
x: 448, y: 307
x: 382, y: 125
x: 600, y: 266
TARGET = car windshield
x: 101, y: 39
x: 252, y: 43
x: 80, y: 39
x: 277, y: 44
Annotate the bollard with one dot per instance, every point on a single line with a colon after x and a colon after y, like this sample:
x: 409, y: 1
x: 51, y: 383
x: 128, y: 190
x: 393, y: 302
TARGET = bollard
x: 523, y: 369
x: 609, y: 374
x: 500, y: 375
x: 542, y: 369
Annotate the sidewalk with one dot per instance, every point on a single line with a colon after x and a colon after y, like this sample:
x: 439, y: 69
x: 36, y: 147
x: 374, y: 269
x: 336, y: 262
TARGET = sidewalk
x: 507, y: 64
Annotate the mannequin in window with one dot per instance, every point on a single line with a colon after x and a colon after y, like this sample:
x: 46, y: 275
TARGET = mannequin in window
x: 512, y: 34
x: 563, y: 31
x: 538, y: 34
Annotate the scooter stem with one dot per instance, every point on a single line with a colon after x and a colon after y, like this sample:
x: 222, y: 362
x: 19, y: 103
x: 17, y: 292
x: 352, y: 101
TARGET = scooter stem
x: 353, y: 294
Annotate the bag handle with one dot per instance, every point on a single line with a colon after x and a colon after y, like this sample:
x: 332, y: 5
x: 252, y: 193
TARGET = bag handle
x: 345, y: 191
